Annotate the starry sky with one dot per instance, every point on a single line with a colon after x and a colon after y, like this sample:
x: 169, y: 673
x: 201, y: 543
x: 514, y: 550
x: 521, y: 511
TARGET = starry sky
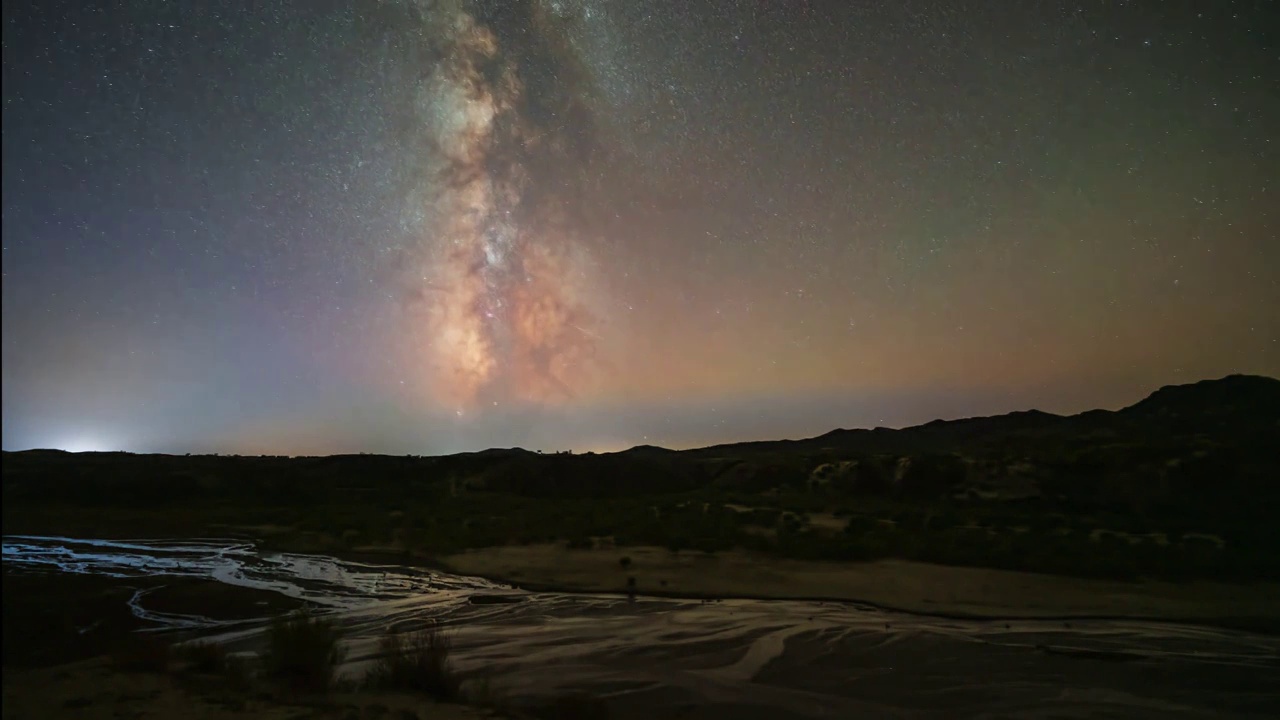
x: 431, y: 226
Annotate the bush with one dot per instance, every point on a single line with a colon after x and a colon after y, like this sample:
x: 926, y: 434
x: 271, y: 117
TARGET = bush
x: 418, y: 663
x: 302, y: 652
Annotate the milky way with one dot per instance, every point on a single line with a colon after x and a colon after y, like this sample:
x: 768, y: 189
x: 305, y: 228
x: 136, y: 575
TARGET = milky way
x: 431, y: 226
x: 503, y: 299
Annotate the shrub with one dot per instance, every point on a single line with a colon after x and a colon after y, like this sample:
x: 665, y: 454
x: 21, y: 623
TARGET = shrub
x: 302, y: 652
x: 417, y: 663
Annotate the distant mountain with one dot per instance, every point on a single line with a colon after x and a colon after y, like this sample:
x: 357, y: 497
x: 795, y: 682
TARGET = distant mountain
x: 1187, y: 462
x: 1247, y: 400
x: 1233, y: 421
x: 1248, y: 403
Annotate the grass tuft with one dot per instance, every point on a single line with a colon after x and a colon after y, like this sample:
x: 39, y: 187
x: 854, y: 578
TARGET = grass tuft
x: 302, y: 652
x: 417, y: 662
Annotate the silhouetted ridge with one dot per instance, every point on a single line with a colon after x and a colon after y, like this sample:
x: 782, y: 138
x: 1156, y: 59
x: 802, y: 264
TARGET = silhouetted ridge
x: 1248, y: 395
x: 1180, y: 485
x: 1017, y: 421
x: 648, y: 449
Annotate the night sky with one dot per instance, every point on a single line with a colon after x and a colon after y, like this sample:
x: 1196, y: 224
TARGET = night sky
x: 425, y: 227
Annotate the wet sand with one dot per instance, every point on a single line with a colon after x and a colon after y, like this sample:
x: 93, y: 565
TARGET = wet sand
x: 736, y: 658
x: 892, y: 584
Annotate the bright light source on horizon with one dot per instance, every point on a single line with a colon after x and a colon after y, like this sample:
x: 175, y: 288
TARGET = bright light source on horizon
x: 84, y: 443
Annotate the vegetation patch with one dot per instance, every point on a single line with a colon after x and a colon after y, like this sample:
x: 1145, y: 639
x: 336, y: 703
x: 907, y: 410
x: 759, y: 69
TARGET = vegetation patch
x: 417, y: 662
x: 302, y: 652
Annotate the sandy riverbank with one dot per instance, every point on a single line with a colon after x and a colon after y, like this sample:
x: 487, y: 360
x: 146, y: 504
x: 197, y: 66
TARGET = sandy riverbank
x: 897, y: 584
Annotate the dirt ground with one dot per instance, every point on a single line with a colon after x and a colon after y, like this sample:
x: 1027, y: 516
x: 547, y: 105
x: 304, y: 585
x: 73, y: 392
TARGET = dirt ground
x: 94, y: 689
x: 897, y: 584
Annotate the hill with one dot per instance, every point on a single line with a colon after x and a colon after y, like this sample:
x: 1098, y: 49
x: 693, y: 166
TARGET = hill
x: 1181, y: 484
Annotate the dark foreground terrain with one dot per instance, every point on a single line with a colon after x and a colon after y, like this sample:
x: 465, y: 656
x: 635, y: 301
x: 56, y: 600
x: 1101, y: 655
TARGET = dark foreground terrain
x: 52, y: 618
x: 651, y: 657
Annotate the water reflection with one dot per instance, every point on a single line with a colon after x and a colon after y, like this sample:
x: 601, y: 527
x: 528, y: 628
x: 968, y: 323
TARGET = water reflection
x: 321, y: 581
x: 739, y: 658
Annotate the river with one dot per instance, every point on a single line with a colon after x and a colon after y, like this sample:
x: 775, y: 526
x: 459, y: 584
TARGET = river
x: 724, y: 659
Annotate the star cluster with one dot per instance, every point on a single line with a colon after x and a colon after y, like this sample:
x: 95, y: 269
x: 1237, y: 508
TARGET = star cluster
x: 437, y: 225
